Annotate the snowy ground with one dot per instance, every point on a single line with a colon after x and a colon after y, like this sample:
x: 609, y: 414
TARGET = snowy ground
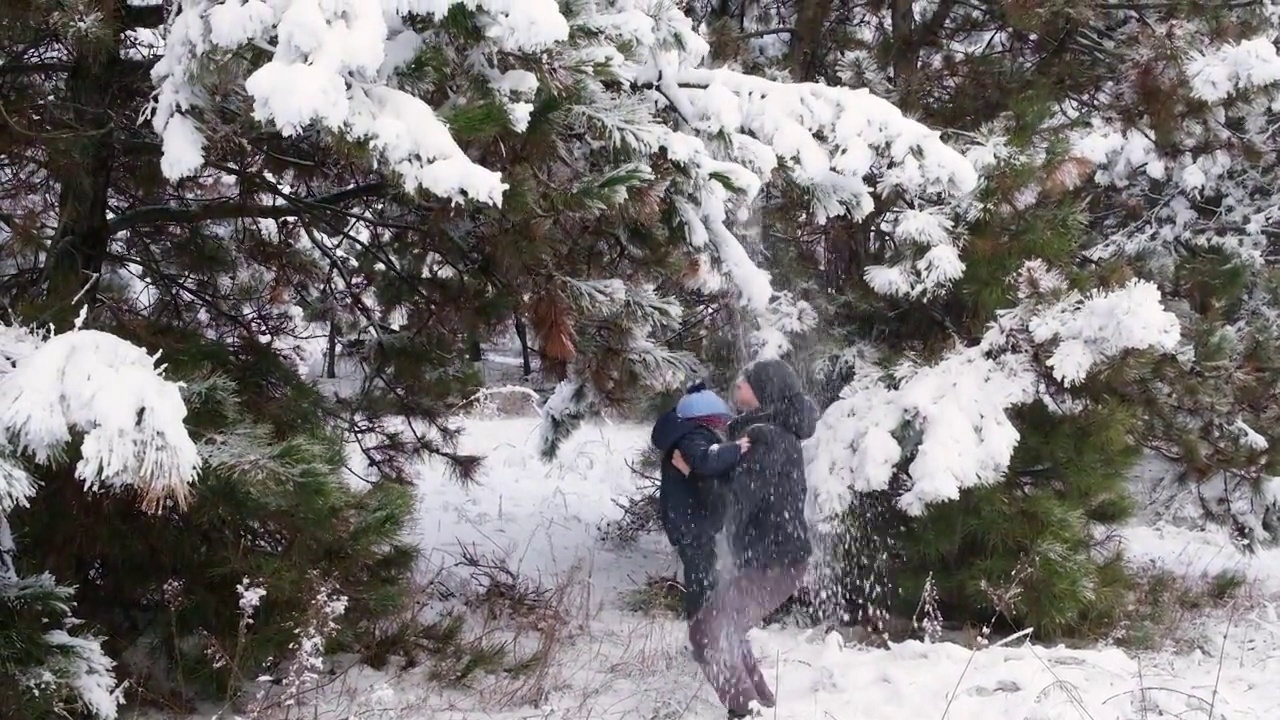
x: 544, y: 519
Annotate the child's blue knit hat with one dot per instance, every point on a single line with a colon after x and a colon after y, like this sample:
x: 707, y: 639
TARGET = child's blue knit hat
x: 700, y: 402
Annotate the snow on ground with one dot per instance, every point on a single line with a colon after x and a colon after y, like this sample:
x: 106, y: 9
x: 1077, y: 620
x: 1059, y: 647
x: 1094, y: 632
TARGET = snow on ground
x: 1170, y: 532
x: 544, y: 519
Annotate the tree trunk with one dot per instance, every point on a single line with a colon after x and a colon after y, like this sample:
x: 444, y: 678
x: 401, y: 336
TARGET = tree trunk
x: 526, y: 361
x: 806, y: 41
x: 904, y: 52
x: 85, y: 155
x: 331, y: 354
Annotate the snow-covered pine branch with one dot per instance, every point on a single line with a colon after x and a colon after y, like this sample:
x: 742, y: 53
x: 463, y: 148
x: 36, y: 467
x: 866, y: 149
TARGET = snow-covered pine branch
x: 106, y: 391
x: 729, y: 134
x: 334, y: 65
x: 738, y: 132
x: 337, y: 66
x: 642, y: 82
x: 620, y: 358
x: 1210, y: 184
x: 950, y: 420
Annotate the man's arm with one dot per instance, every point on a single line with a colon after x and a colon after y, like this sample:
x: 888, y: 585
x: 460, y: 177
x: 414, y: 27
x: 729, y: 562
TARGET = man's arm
x: 752, y: 482
x: 695, y: 454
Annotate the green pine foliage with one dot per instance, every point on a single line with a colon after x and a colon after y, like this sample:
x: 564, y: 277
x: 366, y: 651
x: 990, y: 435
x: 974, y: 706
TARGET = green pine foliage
x: 1030, y: 551
x: 1026, y: 552
x: 1033, y: 550
x: 1217, y: 417
x: 48, y: 668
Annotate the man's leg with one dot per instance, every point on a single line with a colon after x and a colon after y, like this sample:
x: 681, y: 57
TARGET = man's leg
x: 717, y: 644
x: 761, y: 591
x: 756, y: 675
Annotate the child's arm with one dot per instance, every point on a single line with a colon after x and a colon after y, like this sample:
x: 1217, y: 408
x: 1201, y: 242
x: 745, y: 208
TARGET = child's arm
x: 695, y: 454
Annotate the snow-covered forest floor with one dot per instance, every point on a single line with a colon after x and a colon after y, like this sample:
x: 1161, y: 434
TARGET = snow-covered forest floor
x: 527, y: 539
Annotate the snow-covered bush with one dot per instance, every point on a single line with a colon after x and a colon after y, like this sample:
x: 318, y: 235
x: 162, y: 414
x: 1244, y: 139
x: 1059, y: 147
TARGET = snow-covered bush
x: 89, y: 395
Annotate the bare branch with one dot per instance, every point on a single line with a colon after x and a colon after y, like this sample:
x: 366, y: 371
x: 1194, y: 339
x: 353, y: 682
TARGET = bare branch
x: 767, y: 32
x: 232, y: 209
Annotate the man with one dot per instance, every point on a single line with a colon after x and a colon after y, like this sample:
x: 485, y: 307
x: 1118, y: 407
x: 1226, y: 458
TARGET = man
x: 767, y: 532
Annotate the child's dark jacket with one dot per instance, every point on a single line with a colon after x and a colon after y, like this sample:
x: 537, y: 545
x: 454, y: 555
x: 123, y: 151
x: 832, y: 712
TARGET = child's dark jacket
x: 692, y: 508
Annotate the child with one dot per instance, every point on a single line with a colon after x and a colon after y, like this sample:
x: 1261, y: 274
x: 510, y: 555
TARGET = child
x: 691, y: 440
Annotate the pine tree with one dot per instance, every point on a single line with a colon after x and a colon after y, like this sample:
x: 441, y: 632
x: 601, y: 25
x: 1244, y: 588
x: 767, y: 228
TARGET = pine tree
x: 1010, y: 476
x: 1188, y: 166
x: 206, y: 273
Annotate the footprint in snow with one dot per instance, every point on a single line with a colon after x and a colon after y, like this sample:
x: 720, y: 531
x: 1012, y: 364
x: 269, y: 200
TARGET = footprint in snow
x: 1005, y: 686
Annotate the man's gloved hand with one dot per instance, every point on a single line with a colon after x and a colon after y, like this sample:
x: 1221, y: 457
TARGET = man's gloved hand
x: 744, y: 444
